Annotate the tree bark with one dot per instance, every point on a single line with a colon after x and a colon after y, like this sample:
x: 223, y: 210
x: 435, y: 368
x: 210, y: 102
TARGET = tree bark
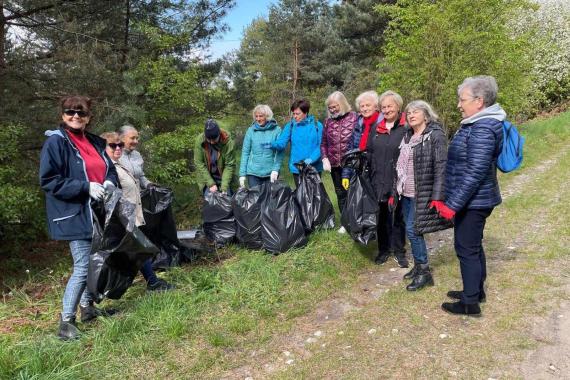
x: 2, y: 39
x: 295, y: 68
x: 126, y: 37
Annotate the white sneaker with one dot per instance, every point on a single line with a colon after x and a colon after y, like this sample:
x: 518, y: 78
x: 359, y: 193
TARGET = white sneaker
x: 342, y: 230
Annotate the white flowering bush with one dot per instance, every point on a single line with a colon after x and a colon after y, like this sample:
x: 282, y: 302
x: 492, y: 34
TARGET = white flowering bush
x: 550, y: 24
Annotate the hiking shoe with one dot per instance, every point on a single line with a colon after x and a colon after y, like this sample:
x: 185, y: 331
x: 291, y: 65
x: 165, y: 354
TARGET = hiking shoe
x: 456, y: 295
x: 68, y: 330
x: 159, y: 286
x: 90, y: 312
x: 402, y: 261
x: 381, y: 258
x: 341, y: 230
x: 459, y: 308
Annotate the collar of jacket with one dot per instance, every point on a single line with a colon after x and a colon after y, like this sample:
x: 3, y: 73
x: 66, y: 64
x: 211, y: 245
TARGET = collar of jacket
x: 269, y: 125
x: 309, y: 120
x: 98, y: 142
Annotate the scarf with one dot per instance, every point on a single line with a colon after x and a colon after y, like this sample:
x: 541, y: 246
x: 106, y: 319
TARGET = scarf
x: 405, y: 155
x: 367, y: 122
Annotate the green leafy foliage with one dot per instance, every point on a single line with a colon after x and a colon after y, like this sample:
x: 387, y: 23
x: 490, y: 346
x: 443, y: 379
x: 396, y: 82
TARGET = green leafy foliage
x: 431, y: 46
x: 20, y: 202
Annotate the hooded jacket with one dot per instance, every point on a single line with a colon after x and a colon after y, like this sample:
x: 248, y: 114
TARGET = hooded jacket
x: 430, y: 157
x: 64, y: 180
x: 226, y: 160
x: 256, y: 160
x: 337, y: 135
x: 471, y: 171
x: 305, y: 137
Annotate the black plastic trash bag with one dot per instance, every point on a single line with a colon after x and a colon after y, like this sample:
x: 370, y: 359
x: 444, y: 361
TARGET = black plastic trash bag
x: 246, y: 205
x: 360, y: 213
x: 217, y: 214
x: 196, y: 243
x: 119, y: 248
x: 160, y: 226
x: 314, y: 203
x: 281, y: 225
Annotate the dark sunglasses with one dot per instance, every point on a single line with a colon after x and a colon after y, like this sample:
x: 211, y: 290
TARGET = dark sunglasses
x: 115, y: 146
x: 70, y: 112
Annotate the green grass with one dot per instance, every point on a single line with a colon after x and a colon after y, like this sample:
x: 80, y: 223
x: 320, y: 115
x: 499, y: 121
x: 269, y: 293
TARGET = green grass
x: 222, y: 311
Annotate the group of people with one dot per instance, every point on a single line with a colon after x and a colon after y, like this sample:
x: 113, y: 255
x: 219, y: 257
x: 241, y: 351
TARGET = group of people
x: 421, y: 185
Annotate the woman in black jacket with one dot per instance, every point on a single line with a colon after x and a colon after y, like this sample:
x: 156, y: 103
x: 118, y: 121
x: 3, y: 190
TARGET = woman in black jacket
x: 419, y: 184
x: 382, y: 144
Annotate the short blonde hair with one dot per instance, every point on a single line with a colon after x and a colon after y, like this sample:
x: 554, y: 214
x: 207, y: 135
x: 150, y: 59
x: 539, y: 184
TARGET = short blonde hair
x: 397, y: 98
x: 264, y: 109
x: 367, y: 95
x: 110, y: 137
x: 338, y: 97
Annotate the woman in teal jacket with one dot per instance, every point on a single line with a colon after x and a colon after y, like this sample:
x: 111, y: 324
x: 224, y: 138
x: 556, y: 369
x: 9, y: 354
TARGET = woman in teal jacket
x: 258, y: 164
x: 305, y: 134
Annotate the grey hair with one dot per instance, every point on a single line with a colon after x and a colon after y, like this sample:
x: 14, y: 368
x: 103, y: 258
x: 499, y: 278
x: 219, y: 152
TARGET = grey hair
x: 110, y: 136
x: 481, y: 86
x: 397, y: 98
x: 428, y: 111
x: 125, y: 129
x: 264, y: 109
x: 367, y: 95
x: 338, y: 97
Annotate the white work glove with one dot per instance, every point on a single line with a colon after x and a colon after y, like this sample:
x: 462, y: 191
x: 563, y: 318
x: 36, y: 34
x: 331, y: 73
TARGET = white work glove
x: 108, y: 185
x: 96, y: 191
x: 326, y: 165
x: 241, y: 181
x: 273, y: 177
x: 213, y: 188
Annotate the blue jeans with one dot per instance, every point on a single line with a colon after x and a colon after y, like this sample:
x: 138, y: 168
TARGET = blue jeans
x: 75, y: 291
x: 253, y: 180
x: 417, y: 242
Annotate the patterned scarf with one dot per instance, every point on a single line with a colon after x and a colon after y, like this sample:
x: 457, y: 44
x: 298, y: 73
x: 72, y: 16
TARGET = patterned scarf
x: 405, y: 155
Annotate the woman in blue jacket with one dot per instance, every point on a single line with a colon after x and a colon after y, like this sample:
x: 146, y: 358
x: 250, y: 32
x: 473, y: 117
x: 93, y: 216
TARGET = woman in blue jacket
x: 305, y: 134
x: 258, y: 164
x: 471, y: 186
x: 74, y: 169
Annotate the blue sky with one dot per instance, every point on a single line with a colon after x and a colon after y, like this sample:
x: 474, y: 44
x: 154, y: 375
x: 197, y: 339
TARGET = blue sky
x: 238, y: 18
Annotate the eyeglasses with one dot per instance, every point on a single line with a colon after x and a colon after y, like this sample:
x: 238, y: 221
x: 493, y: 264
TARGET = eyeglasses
x: 115, y: 146
x: 70, y: 112
x: 461, y: 100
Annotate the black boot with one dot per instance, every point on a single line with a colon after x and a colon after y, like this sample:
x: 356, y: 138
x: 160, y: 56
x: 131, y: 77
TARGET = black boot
x: 462, y: 309
x: 456, y: 295
x: 413, y: 273
x: 422, y: 279
x: 90, y: 312
x: 402, y: 260
x: 67, y: 329
x: 381, y: 258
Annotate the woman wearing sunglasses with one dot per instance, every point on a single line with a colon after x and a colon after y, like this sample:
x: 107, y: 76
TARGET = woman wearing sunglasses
x: 74, y: 169
x: 131, y: 192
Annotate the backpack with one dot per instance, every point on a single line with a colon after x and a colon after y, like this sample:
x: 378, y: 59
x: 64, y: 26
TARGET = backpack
x: 511, y: 156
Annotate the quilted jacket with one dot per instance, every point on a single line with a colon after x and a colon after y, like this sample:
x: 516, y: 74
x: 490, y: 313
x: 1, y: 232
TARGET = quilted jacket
x: 471, y: 171
x: 337, y: 134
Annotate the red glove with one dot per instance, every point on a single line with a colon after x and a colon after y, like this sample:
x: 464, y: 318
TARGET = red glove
x: 391, y: 204
x: 446, y: 212
x: 438, y: 205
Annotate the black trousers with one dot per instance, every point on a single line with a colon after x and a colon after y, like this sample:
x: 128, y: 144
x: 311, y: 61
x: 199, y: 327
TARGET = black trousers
x: 468, y: 233
x: 391, y: 230
x: 336, y: 175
